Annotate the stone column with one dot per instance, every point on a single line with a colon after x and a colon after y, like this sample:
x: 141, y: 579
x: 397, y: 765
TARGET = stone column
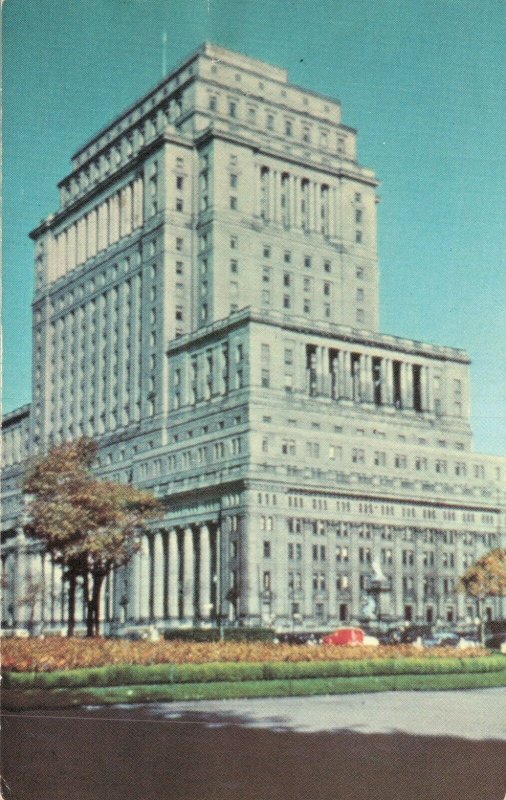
x: 419, y: 577
x: 205, y: 573
x: 133, y: 587
x: 363, y: 378
x: 257, y: 188
x: 58, y: 604
x: 389, y: 382
x: 398, y: 574
x: 277, y: 196
x: 296, y: 201
x: 310, y: 205
x: 346, y: 375
x: 22, y: 567
x: 459, y: 570
x: 188, y: 575
x: 353, y: 544
x: 326, y: 382
x: 408, y: 369
x: 158, y: 576
x: 119, y: 591
x: 307, y: 566
x: 271, y: 203
x: 429, y: 395
x: 138, y: 202
x: 332, y: 211
x: 144, y: 580
x: 289, y: 201
x: 423, y: 388
x: 173, y: 576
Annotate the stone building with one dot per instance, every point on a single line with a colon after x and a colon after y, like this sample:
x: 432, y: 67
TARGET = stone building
x: 206, y: 307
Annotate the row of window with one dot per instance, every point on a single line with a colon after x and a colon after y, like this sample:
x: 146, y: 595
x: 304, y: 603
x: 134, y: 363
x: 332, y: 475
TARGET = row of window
x: 287, y: 126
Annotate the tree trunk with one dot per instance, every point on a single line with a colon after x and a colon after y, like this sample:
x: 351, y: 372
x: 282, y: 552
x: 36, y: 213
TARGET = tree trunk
x: 94, y: 606
x: 71, y: 617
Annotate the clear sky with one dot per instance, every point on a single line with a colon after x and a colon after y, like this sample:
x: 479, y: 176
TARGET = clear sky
x: 422, y: 80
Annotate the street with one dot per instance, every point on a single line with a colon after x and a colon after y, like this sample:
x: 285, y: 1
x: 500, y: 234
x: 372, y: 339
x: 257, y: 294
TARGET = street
x: 391, y: 746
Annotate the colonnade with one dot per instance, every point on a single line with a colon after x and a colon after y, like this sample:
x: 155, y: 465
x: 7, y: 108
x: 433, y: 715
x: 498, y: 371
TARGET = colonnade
x: 362, y: 377
x: 102, y: 226
x: 172, y: 576
x: 295, y: 201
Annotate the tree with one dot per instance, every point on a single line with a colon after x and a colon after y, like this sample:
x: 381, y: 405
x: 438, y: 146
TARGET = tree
x: 89, y: 526
x: 485, y: 578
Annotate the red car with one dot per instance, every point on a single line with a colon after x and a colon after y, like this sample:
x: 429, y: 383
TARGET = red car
x: 349, y: 636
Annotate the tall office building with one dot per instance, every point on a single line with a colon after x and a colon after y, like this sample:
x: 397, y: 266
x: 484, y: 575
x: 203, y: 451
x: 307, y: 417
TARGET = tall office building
x: 206, y: 307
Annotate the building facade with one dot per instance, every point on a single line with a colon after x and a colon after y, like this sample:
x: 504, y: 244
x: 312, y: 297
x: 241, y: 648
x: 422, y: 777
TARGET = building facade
x: 206, y: 308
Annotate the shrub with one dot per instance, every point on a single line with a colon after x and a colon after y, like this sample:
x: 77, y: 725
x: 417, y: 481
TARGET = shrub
x: 48, y: 655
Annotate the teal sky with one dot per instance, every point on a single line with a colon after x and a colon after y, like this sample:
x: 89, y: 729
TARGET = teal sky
x: 422, y: 80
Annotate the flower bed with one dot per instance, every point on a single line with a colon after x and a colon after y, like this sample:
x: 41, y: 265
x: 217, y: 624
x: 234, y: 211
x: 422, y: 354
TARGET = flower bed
x: 55, y: 653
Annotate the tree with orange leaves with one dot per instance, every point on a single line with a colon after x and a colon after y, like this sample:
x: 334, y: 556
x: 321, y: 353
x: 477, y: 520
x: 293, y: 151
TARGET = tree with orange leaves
x: 89, y: 526
x: 485, y: 578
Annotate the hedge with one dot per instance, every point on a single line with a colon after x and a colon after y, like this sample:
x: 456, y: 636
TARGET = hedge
x: 134, y: 674
x: 213, y: 634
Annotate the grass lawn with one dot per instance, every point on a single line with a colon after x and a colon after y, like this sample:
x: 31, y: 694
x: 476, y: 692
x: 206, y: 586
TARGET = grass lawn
x: 23, y: 699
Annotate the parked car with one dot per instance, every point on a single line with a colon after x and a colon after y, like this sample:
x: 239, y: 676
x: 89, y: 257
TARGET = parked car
x: 450, y: 639
x: 496, y: 642
x: 302, y: 637
x: 350, y: 636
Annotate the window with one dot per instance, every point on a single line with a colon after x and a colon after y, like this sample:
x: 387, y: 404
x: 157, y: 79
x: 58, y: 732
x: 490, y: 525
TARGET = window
x: 358, y: 456
x: 212, y: 103
x: 266, y: 381
x: 358, y: 237
x: 233, y: 181
x: 327, y: 266
x: 307, y: 262
x: 233, y: 242
x: 270, y: 122
x: 286, y: 301
x: 288, y: 127
x: 233, y: 203
x: 232, y: 108
x: 307, y: 306
x: 179, y: 267
x: 179, y: 245
x: 267, y: 251
x: 267, y: 549
x: 287, y: 279
x: 266, y: 274
x: 233, y: 266
x: 179, y: 182
x: 179, y: 204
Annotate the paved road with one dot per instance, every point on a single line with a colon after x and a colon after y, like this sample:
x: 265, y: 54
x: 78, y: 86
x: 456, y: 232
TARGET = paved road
x: 473, y: 715
x: 395, y: 746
